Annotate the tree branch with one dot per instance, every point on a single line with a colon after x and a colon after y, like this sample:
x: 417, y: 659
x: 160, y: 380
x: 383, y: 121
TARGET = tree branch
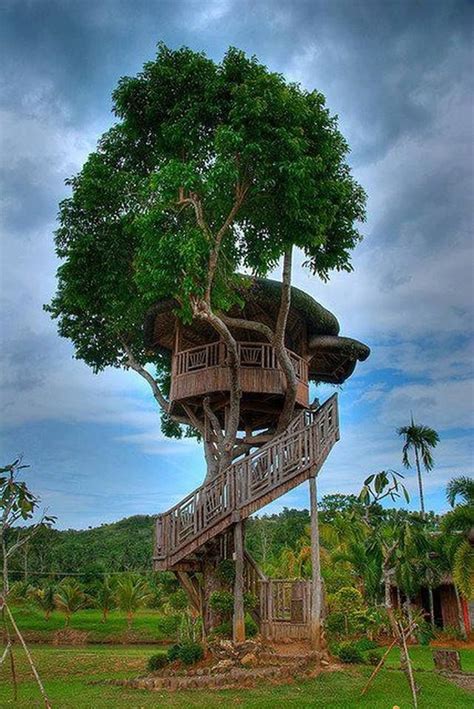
x: 133, y: 364
x: 281, y: 352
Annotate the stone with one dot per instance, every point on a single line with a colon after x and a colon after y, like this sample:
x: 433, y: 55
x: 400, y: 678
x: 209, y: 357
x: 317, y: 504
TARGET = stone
x: 249, y: 660
x: 447, y: 660
x: 224, y: 665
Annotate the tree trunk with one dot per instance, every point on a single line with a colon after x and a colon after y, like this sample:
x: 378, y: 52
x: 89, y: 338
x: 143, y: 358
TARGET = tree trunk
x: 420, y: 482
x: 210, y: 583
x: 315, y: 619
x: 238, y: 626
x: 431, y: 603
x: 462, y: 626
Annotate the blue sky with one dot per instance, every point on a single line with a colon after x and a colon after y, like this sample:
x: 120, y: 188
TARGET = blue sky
x: 399, y: 75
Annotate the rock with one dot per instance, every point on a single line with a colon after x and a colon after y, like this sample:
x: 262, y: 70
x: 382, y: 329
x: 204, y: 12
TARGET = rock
x: 249, y: 660
x: 224, y: 665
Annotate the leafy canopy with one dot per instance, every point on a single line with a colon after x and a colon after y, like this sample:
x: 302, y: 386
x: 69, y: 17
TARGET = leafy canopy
x: 189, y: 126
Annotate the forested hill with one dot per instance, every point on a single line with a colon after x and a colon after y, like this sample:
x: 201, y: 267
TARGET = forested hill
x: 127, y: 545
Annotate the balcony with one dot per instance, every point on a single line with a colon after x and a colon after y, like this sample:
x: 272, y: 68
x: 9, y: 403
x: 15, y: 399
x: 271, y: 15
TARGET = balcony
x: 203, y: 370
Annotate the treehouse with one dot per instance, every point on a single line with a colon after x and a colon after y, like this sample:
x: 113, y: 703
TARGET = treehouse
x: 207, y: 526
x: 199, y: 358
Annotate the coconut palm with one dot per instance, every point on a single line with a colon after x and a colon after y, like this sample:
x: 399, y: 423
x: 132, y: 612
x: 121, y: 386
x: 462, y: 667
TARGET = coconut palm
x: 132, y: 593
x: 45, y: 599
x: 420, y: 440
x: 105, y: 598
x: 459, y: 524
x: 70, y: 598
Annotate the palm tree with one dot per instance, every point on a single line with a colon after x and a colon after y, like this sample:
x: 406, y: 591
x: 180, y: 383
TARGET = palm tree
x: 421, y: 440
x: 70, y: 598
x: 105, y: 598
x: 459, y: 524
x: 132, y: 593
x: 45, y: 599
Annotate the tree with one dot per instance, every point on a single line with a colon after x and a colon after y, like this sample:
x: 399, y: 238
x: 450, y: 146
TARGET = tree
x: 70, y: 598
x: 132, y: 592
x: 459, y: 525
x: 105, y: 597
x: 210, y: 169
x: 45, y: 598
x: 421, y: 440
x: 17, y: 502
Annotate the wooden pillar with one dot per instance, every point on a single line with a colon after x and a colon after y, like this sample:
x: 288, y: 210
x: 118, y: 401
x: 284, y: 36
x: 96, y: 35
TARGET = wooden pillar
x: 238, y: 630
x: 315, y: 615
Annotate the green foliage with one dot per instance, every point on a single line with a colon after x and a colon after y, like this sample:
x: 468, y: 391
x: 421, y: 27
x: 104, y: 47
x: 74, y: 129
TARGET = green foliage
x: 188, y: 652
x: 226, y: 571
x: 424, y: 632
x: 222, y: 602
x: 178, y: 600
x: 105, y: 597
x: 157, y: 662
x: 373, y: 657
x: 45, y: 598
x: 251, y: 627
x: 250, y: 601
x: 69, y: 598
x: 193, y: 132
x: 132, y: 592
x: 223, y: 630
x: 463, y: 487
x: 349, y: 652
x: 449, y: 633
x: 365, y: 644
x: 168, y: 625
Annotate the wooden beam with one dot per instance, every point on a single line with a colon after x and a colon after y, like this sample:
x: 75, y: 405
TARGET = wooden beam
x: 238, y: 630
x: 315, y: 614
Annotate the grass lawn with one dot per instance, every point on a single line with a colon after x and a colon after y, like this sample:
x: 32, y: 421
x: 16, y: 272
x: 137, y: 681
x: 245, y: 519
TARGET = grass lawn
x: 67, y: 672
x: 422, y: 658
x: 148, y: 625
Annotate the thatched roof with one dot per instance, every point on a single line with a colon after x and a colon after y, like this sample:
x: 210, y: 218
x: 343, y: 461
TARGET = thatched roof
x: 334, y: 357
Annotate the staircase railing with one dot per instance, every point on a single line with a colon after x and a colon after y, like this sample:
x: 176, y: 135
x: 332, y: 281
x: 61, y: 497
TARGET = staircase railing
x: 248, y: 481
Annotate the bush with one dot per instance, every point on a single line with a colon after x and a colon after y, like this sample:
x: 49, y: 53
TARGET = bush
x: 190, y: 652
x: 156, y: 662
x: 168, y: 625
x: 449, y: 633
x: 251, y: 627
x: 178, y: 600
x: 250, y: 601
x: 222, y: 602
x: 364, y: 644
x: 224, y: 630
x: 335, y: 623
x: 349, y: 652
x: 424, y: 633
x: 373, y: 657
x: 226, y: 571
x: 173, y: 653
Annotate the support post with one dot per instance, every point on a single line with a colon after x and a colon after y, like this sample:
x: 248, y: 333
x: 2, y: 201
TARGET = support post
x: 238, y: 631
x: 315, y: 615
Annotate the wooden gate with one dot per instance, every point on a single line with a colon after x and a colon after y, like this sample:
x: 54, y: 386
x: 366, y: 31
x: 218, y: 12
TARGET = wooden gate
x: 285, y: 609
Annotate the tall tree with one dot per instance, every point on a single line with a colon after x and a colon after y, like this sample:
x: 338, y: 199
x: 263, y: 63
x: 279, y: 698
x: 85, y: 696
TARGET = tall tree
x: 421, y: 440
x: 459, y: 525
x: 211, y: 168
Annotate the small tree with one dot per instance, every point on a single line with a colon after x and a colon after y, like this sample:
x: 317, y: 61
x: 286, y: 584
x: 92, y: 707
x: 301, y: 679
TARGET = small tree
x: 70, y: 598
x: 421, y: 440
x: 17, y: 503
x: 105, y: 597
x: 132, y: 593
x: 45, y: 599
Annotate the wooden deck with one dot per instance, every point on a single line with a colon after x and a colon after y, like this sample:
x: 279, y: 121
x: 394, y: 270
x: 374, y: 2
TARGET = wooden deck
x: 203, y: 370
x: 247, y: 485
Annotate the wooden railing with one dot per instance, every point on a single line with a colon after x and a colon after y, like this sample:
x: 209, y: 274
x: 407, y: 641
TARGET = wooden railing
x: 250, y: 482
x: 251, y: 354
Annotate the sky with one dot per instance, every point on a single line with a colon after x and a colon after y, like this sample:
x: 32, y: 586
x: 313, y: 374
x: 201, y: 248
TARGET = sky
x: 399, y: 76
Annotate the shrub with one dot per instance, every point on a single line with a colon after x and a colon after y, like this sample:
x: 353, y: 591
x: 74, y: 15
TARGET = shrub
x: 349, y: 652
x: 168, y: 625
x: 173, y: 653
x: 449, y: 633
x: 365, y: 644
x: 178, y: 600
x: 222, y: 602
x: 250, y: 601
x: 373, y: 657
x: 335, y: 622
x: 224, y: 630
x: 156, y: 662
x: 226, y: 571
x: 251, y: 627
x: 424, y: 633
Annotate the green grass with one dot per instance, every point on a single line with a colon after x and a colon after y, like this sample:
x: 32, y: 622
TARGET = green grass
x: 422, y: 658
x: 148, y: 625
x: 67, y: 673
